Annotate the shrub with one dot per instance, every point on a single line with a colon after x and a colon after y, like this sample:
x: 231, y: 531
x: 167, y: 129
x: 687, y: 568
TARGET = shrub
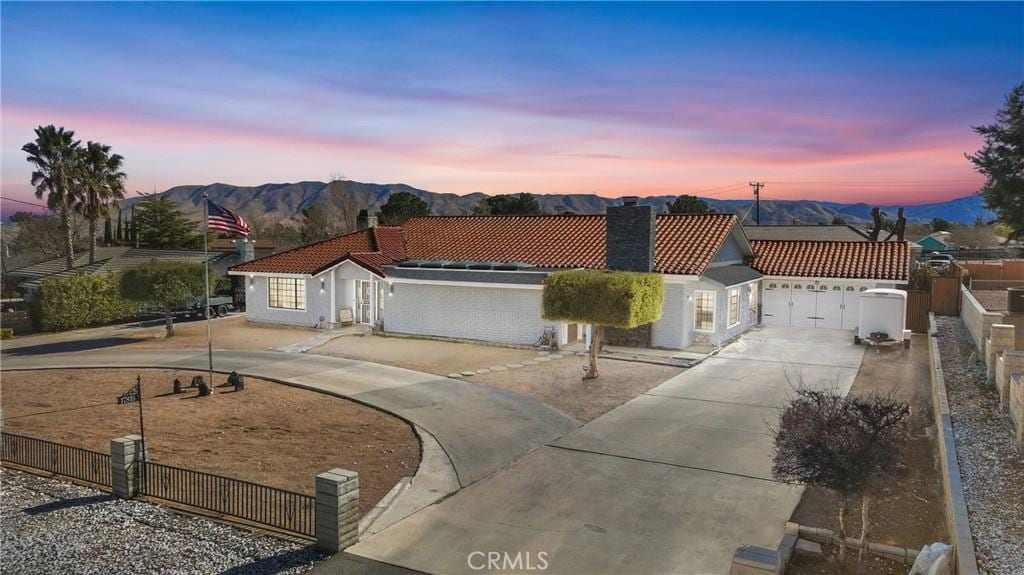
x: 78, y: 301
x: 6, y: 333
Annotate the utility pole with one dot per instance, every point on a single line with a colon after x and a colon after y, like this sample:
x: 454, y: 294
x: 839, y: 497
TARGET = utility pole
x: 757, y: 201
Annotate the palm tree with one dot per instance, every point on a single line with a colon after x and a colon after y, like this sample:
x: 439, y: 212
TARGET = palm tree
x: 55, y: 154
x: 102, y: 183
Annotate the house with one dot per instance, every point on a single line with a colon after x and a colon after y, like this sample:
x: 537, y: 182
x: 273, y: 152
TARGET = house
x: 935, y: 242
x: 481, y: 277
x: 112, y: 260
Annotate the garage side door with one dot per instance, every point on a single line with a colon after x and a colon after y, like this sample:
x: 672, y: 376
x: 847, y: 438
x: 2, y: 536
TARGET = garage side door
x: 775, y: 308
x: 851, y: 306
x: 829, y: 312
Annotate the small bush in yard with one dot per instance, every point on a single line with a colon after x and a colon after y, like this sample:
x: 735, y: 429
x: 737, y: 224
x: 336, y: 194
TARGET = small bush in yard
x: 603, y: 298
x: 78, y: 301
x: 842, y: 444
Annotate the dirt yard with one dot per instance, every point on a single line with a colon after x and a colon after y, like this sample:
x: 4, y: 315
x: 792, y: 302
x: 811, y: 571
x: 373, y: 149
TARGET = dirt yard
x: 269, y: 433
x: 560, y: 384
x: 228, y: 333
x: 906, y: 511
x: 431, y: 356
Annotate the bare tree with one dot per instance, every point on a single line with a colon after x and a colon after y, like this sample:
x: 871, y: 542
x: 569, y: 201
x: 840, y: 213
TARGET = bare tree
x: 334, y: 214
x: 841, y: 444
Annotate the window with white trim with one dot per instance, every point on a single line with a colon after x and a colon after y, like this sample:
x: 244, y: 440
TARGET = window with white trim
x: 286, y: 293
x: 704, y: 311
x: 734, y: 306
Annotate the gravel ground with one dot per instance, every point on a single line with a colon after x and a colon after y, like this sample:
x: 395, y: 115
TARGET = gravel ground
x: 992, y: 470
x: 50, y: 526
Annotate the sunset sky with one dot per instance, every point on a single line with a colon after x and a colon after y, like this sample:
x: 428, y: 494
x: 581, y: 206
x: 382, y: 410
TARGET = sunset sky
x: 844, y: 102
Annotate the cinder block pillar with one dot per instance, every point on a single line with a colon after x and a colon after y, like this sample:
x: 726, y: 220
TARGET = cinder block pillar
x: 125, y: 455
x: 1001, y: 338
x: 751, y: 560
x: 1011, y: 362
x: 337, y: 510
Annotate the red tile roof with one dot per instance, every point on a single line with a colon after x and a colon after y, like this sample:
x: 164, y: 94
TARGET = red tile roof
x: 827, y: 259
x: 685, y: 243
x: 314, y: 258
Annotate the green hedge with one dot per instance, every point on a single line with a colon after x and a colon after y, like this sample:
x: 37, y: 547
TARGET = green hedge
x: 80, y: 301
x: 617, y: 299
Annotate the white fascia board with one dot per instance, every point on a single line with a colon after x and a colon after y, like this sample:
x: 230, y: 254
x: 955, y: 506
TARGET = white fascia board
x: 678, y: 279
x: 353, y: 262
x: 268, y: 275
x: 442, y: 283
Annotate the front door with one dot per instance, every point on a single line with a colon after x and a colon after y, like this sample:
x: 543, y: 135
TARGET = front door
x: 364, y: 301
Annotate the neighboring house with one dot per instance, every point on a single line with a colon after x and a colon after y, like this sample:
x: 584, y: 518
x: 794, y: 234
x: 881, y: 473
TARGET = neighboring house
x: 804, y: 232
x: 111, y: 260
x: 481, y: 277
x: 935, y: 242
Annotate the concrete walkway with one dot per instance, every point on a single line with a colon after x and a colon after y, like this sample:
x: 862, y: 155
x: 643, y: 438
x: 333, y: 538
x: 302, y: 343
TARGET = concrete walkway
x: 671, y: 482
x: 481, y: 429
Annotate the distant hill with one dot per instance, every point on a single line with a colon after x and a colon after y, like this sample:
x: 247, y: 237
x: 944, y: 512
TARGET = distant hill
x: 284, y: 202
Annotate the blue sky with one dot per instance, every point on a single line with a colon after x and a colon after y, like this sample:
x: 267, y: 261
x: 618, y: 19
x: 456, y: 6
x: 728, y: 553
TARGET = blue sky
x: 833, y: 101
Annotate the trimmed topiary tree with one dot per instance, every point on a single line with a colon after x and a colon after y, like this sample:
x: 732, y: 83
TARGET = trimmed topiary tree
x: 164, y: 283
x: 603, y: 298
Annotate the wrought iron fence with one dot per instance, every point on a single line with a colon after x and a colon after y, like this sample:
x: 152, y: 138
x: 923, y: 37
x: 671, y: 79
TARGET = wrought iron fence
x: 75, y: 462
x: 270, y: 506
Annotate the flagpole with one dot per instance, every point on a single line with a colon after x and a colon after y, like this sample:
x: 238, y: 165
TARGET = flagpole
x: 206, y: 277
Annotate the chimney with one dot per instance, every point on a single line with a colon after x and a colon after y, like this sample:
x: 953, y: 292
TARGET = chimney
x: 246, y: 249
x: 629, y: 236
x: 371, y: 220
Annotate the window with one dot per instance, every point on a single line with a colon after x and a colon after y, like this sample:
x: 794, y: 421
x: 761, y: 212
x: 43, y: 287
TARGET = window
x: 734, y: 306
x: 287, y: 293
x: 704, y: 311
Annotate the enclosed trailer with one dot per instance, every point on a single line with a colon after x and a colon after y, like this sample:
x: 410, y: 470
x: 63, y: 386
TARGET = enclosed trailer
x: 883, y: 317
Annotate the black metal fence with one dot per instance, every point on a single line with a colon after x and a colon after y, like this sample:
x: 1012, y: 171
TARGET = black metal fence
x: 270, y: 506
x: 75, y: 462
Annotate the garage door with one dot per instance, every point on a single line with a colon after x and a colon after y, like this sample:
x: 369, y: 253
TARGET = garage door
x: 775, y: 307
x: 797, y: 304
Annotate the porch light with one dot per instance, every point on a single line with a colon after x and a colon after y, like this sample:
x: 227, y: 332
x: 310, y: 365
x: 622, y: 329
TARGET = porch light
x: 391, y: 289
x: 321, y: 285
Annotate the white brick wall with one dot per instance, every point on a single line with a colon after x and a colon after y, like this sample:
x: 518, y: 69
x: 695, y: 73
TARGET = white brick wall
x: 670, y: 331
x: 500, y: 315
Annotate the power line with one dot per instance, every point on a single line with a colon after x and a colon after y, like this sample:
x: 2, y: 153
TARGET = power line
x: 23, y: 202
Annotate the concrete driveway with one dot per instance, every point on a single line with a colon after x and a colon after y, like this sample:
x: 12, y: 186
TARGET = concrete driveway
x: 670, y: 482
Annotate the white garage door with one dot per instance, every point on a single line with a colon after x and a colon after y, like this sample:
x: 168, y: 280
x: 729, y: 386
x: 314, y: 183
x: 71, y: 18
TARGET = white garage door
x: 775, y: 306
x: 798, y: 304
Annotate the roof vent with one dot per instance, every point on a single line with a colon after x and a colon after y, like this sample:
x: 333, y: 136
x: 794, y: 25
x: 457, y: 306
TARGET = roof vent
x: 630, y: 200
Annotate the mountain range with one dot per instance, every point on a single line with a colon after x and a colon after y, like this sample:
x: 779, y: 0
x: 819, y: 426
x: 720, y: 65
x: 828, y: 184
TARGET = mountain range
x: 284, y: 202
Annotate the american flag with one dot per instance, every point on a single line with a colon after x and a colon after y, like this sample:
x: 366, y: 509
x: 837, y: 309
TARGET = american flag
x: 224, y: 220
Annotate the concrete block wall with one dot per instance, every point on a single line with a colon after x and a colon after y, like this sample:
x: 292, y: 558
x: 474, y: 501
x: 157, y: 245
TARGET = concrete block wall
x: 337, y: 510
x: 1007, y: 364
x: 1001, y: 338
x: 976, y: 319
x: 1016, y: 407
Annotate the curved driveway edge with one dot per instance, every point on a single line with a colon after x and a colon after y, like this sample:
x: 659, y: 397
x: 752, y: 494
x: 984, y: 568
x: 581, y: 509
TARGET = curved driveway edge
x: 481, y: 429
